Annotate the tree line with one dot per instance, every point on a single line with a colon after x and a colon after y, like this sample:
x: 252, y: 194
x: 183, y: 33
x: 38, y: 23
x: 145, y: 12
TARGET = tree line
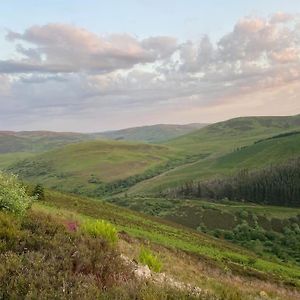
x: 276, y: 184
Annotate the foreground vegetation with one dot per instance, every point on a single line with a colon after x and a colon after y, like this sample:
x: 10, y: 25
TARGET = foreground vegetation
x: 42, y: 259
x: 67, y: 247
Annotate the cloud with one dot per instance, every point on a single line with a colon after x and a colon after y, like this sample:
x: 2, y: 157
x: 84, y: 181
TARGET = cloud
x: 66, y: 48
x: 68, y: 78
x: 281, y: 17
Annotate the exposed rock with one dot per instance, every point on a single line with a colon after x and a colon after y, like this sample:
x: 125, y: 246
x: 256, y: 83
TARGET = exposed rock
x: 143, y: 272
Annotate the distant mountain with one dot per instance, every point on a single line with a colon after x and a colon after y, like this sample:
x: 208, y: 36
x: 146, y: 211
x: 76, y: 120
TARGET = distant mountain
x: 152, y: 133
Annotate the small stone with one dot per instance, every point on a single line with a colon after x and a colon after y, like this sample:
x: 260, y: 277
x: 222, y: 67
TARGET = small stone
x: 143, y: 272
x: 263, y: 294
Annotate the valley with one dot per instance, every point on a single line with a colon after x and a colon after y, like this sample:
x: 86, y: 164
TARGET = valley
x: 150, y: 192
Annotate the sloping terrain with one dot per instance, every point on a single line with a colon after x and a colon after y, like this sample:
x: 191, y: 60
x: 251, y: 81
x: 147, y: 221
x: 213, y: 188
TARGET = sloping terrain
x: 37, y: 141
x: 90, y: 166
x: 151, y: 133
x: 182, y: 249
x: 230, y: 146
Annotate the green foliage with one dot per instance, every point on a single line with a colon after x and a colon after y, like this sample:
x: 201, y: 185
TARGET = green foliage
x: 275, y: 185
x: 13, y: 196
x: 38, y: 192
x: 146, y: 257
x: 101, y: 228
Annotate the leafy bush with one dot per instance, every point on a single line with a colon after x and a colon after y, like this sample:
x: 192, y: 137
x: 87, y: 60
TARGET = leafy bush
x: 13, y: 196
x: 101, y: 228
x: 146, y: 257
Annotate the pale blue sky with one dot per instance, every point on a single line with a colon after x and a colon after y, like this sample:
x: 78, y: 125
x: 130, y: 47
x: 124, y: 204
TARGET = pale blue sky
x: 181, y: 18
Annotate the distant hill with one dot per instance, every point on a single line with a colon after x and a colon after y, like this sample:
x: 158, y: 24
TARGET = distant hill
x: 39, y: 141
x: 151, y: 133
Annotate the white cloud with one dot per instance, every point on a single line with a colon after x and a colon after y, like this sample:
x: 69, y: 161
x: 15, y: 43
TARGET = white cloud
x: 65, y: 48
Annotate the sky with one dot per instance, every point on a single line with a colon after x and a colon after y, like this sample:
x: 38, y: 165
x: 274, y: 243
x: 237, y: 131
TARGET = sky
x: 87, y: 66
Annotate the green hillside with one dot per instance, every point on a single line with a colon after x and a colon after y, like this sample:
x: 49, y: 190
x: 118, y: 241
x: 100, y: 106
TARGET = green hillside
x: 172, y: 241
x: 37, y: 141
x: 234, y: 133
x: 152, y: 133
x: 230, y: 146
x: 91, y: 166
x: 102, y: 168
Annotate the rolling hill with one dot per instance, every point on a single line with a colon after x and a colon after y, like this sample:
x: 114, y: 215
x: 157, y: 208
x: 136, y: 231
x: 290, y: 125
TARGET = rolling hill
x: 227, y: 147
x: 152, y: 133
x: 109, y: 167
x: 92, y: 166
x: 39, y: 141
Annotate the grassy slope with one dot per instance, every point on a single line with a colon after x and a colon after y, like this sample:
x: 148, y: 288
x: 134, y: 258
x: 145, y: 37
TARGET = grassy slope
x: 6, y: 159
x: 101, y: 161
x: 152, y: 133
x: 37, y: 141
x: 221, y: 142
x: 218, y: 254
x: 213, y: 215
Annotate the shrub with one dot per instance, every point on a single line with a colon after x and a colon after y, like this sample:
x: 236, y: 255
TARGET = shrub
x: 13, y: 196
x: 101, y: 228
x: 146, y: 257
x: 38, y: 192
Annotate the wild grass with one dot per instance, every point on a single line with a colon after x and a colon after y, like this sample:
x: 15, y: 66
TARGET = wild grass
x: 100, y: 228
x: 41, y: 259
x: 148, y: 258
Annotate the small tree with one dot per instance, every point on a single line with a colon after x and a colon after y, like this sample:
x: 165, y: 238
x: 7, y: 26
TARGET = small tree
x: 13, y: 196
x: 38, y: 192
